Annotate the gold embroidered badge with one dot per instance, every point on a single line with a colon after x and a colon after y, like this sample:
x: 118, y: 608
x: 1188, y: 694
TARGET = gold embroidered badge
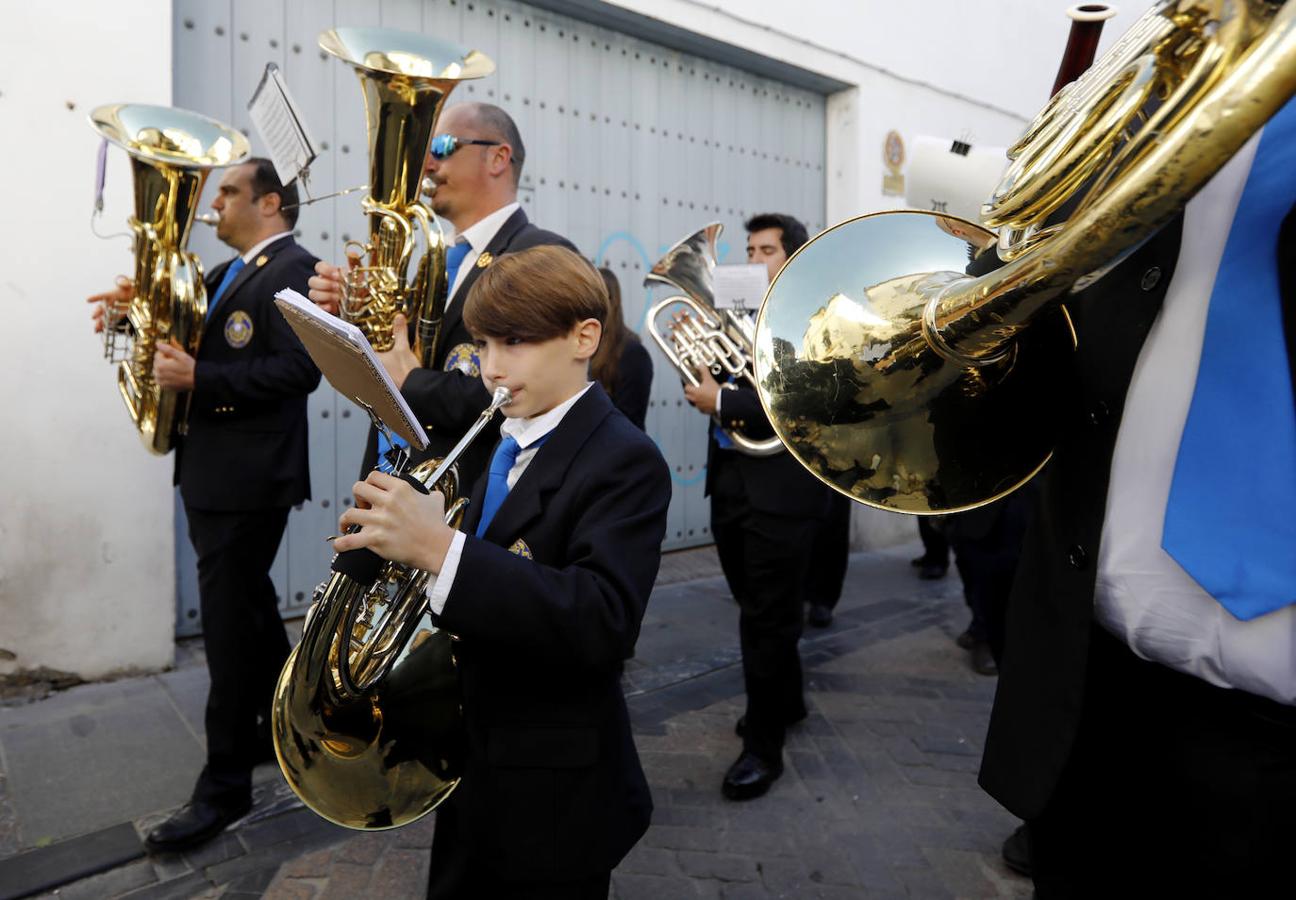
x: 484, y: 260
x: 521, y: 549
x: 463, y: 358
x: 238, y: 329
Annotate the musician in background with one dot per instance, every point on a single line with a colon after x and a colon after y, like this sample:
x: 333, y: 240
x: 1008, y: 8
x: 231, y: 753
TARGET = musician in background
x: 622, y: 364
x: 475, y: 160
x: 1144, y: 723
x: 766, y: 513
x: 241, y: 466
x: 546, y: 588
x: 772, y: 238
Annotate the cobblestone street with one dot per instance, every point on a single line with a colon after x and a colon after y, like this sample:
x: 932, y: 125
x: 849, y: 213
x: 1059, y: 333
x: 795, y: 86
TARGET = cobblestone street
x: 879, y: 796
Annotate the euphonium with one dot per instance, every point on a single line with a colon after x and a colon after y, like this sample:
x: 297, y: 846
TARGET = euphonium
x: 719, y: 340
x: 366, y: 720
x: 406, y: 79
x: 171, y: 152
x: 908, y: 384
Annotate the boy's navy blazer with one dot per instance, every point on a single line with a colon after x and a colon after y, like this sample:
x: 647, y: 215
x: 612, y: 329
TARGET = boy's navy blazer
x: 444, y: 399
x: 247, y: 446
x: 553, y: 787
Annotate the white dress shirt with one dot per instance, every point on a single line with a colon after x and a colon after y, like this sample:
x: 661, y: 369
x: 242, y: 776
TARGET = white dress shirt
x: 1142, y: 595
x: 479, y: 236
x: 526, y: 432
x: 252, y: 254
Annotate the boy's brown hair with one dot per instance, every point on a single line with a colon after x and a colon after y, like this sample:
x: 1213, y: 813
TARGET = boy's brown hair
x: 535, y: 295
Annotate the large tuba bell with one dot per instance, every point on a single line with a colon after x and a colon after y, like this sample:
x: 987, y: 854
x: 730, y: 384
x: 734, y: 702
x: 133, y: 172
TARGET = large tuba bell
x: 406, y: 79
x: 367, y: 722
x: 905, y: 381
x: 171, y: 153
x: 720, y: 340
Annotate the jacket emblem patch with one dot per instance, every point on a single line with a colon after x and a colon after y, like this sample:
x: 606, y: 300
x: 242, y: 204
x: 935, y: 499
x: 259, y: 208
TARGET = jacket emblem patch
x: 463, y: 358
x: 238, y: 329
x: 521, y: 549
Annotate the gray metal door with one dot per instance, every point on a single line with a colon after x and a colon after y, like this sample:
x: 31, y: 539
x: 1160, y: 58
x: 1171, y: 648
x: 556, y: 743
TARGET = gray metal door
x: 630, y: 146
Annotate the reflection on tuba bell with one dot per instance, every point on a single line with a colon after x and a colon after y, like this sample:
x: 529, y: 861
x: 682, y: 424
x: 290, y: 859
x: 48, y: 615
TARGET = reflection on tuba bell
x: 171, y: 152
x: 366, y: 719
x: 907, y: 382
x: 720, y: 340
x: 406, y: 79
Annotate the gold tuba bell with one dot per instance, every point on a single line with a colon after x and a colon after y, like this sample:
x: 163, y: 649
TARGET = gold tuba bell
x: 909, y: 384
x: 406, y: 79
x: 171, y: 152
x: 366, y: 719
x: 720, y: 340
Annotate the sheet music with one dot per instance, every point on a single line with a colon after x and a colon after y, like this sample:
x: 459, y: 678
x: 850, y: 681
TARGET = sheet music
x: 349, y: 363
x: 741, y: 287
x: 275, y: 117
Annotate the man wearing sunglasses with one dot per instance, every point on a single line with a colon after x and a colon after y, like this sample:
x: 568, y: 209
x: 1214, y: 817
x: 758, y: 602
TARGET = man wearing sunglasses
x: 475, y: 162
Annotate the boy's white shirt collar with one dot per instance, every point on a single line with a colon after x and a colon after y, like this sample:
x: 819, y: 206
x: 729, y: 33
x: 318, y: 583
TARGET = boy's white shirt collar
x: 527, y: 431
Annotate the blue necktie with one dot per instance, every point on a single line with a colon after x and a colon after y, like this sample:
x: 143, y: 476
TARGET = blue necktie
x: 454, y: 259
x: 231, y: 272
x: 1229, y: 519
x: 497, y: 489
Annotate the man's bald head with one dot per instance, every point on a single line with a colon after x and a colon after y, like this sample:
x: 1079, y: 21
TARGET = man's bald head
x: 495, y: 124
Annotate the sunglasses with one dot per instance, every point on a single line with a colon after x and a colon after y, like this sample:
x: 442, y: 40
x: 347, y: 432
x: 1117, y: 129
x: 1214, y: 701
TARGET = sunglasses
x: 443, y: 145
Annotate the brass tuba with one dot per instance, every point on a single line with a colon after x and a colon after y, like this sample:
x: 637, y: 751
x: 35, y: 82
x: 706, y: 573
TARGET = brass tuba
x: 907, y: 383
x: 171, y: 153
x: 366, y: 719
x: 720, y: 340
x: 406, y: 79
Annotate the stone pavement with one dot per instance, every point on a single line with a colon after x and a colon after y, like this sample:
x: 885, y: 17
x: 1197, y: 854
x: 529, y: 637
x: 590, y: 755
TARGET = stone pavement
x: 879, y: 797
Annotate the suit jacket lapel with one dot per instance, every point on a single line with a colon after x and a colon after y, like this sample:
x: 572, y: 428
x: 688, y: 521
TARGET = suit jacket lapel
x: 251, y: 269
x: 545, y: 474
x: 498, y: 244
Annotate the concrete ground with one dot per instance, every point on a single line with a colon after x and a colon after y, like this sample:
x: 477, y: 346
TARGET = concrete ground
x: 879, y: 798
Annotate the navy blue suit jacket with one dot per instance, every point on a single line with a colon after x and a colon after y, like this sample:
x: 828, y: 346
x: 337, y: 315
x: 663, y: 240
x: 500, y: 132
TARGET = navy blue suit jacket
x: 777, y: 484
x: 247, y: 445
x: 548, y: 605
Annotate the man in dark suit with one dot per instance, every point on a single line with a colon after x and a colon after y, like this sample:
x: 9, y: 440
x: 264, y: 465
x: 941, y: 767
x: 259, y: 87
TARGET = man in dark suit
x: 1143, y: 724
x: 242, y: 464
x: 766, y: 513
x: 546, y: 588
x: 475, y: 161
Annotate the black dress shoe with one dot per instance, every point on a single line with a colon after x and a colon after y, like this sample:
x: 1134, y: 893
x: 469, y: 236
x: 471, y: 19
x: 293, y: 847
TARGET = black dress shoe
x: 983, y: 662
x: 820, y: 616
x: 749, y: 777
x: 740, y: 727
x: 966, y: 641
x: 194, y: 823
x: 1016, y: 851
x: 930, y: 571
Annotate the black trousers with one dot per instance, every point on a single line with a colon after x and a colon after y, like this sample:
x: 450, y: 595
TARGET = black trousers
x: 830, y: 554
x: 1174, y: 788
x: 454, y: 875
x: 245, y: 642
x: 764, y: 558
x: 935, y: 546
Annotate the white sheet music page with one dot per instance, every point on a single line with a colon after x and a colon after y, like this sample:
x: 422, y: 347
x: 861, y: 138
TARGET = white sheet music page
x: 741, y: 287
x: 349, y: 363
x: 279, y: 124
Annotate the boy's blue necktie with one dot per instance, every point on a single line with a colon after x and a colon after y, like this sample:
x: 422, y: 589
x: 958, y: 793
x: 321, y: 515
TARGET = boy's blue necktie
x: 1229, y: 520
x: 454, y: 259
x: 497, y: 488
x: 231, y: 272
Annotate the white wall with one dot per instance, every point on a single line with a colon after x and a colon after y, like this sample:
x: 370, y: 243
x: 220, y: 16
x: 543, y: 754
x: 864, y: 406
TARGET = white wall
x: 87, y: 579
